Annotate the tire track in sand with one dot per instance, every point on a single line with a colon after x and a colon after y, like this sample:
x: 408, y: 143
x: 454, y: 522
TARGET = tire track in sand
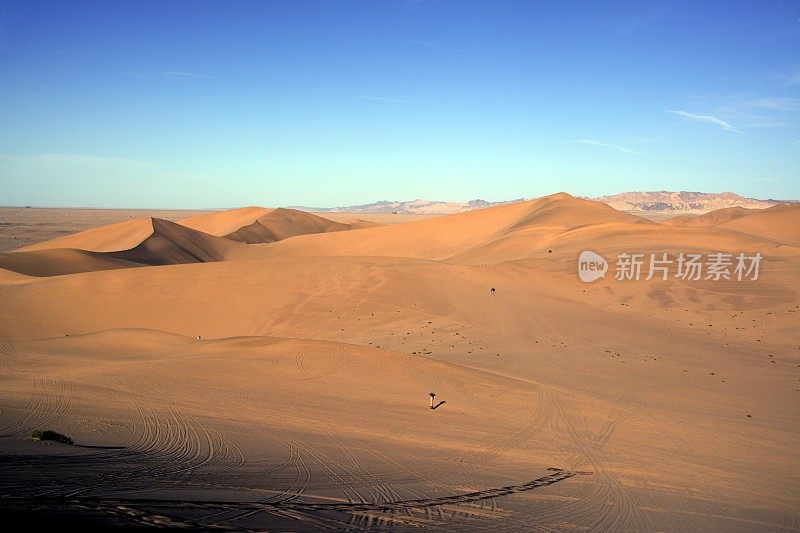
x: 49, y: 403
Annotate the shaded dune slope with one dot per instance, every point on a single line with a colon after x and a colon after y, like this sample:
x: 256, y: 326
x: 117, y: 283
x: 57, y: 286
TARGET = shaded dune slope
x: 282, y: 223
x: 110, y: 238
x: 167, y: 244
x: 558, y: 224
x: 155, y: 242
x: 59, y: 262
x: 173, y: 244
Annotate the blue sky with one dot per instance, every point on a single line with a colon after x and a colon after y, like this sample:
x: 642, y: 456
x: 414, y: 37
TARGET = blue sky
x: 220, y: 104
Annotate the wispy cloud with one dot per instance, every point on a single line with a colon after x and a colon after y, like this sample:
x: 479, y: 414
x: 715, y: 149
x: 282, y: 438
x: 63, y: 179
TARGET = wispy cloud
x: 759, y: 111
x: 708, y: 119
x: 616, y: 147
x: 384, y: 99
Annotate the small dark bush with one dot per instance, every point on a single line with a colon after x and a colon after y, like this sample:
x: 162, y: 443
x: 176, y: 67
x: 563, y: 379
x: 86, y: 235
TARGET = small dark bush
x: 49, y: 434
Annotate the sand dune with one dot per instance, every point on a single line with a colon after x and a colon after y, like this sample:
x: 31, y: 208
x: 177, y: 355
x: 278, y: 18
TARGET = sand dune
x: 281, y: 224
x: 535, y: 229
x: 131, y: 233
x: 359, y: 223
x: 225, y: 222
x: 111, y: 238
x: 558, y: 224
x: 779, y: 223
x: 285, y: 385
x: 58, y: 262
x: 167, y: 244
x: 30, y: 226
x: 442, y: 237
x: 164, y: 242
x: 172, y: 243
x: 712, y: 218
x: 153, y: 241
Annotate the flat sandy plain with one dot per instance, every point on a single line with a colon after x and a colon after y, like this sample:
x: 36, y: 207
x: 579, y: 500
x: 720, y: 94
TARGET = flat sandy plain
x: 270, y: 369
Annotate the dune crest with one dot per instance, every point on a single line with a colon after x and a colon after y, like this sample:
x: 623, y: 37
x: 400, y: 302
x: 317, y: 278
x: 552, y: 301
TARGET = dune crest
x: 167, y: 244
x: 110, y: 238
x: 155, y: 242
x: 282, y: 223
x: 712, y: 218
x: 172, y: 244
x: 780, y: 223
x: 225, y: 222
x: 298, y: 372
x: 531, y: 229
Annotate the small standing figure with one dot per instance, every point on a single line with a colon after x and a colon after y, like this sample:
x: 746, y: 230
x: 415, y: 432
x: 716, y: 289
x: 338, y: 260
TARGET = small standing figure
x: 433, y: 397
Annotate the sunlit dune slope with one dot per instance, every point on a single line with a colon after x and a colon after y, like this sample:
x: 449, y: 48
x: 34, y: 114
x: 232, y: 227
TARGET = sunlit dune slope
x: 780, y: 223
x: 444, y: 237
x: 777, y: 223
x: 558, y: 225
x: 247, y: 224
x: 222, y: 223
x: 228, y: 360
x: 168, y: 243
x: 712, y: 218
x: 171, y: 244
x: 110, y: 238
x: 155, y: 241
x: 282, y: 223
x: 131, y: 233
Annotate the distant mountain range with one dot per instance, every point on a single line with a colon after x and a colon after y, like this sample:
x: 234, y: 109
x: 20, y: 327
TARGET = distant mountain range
x: 418, y: 207
x: 655, y: 201
x: 683, y: 201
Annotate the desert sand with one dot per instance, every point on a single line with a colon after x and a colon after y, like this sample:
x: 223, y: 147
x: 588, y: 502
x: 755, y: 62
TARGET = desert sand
x: 270, y: 369
x: 26, y: 227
